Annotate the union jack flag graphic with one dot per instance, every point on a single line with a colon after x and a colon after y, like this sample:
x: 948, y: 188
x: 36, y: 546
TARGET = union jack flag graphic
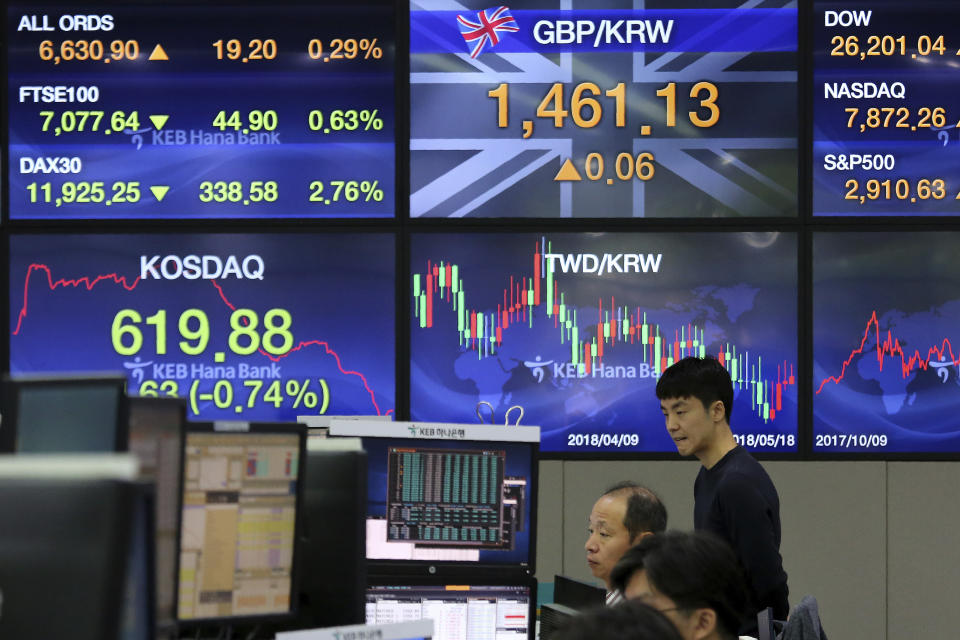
x: 485, y: 29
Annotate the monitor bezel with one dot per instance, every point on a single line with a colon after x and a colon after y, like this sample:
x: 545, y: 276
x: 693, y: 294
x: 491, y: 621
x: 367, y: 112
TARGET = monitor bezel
x: 12, y: 384
x: 317, y: 584
x: 145, y: 495
x: 239, y: 427
x: 181, y: 407
x: 120, y: 489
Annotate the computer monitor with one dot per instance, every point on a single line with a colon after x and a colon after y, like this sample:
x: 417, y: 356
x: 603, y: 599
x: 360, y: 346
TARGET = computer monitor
x: 319, y: 426
x: 242, y: 488
x: 156, y: 438
x: 80, y: 413
x: 65, y: 547
x: 570, y: 597
x: 446, y: 497
x: 577, y: 594
x: 463, y: 611
x: 411, y: 630
x: 138, y: 620
x: 334, y: 534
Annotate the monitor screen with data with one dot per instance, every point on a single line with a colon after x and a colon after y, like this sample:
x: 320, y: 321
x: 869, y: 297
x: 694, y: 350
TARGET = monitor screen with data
x: 457, y: 495
x: 459, y: 611
x: 237, y: 538
x: 200, y: 110
x: 449, y: 501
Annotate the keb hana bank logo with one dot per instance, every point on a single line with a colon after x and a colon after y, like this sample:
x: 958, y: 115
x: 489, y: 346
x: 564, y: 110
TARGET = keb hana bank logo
x: 486, y: 28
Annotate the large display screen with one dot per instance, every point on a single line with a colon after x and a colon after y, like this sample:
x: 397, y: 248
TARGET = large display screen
x: 884, y: 128
x: 886, y: 360
x: 244, y: 326
x: 577, y: 109
x: 282, y: 110
x: 576, y: 328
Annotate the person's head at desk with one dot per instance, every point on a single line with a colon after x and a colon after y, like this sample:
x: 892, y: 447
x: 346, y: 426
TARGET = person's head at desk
x: 621, y: 517
x: 625, y: 621
x: 692, y: 578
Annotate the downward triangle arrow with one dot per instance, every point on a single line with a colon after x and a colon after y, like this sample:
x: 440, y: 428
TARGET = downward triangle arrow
x: 159, y: 191
x: 159, y: 121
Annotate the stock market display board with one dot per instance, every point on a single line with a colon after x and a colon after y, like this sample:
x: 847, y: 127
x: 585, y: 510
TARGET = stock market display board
x: 259, y: 206
x: 201, y: 111
x: 244, y: 326
x: 885, y: 129
x: 580, y: 110
x: 577, y: 328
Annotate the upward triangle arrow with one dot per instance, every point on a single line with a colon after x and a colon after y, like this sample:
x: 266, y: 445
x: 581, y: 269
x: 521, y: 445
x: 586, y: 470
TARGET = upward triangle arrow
x: 568, y: 173
x: 158, y: 54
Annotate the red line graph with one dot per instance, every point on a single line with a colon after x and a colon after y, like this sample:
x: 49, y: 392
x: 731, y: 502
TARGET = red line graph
x: 890, y: 347
x: 85, y: 281
x: 89, y: 283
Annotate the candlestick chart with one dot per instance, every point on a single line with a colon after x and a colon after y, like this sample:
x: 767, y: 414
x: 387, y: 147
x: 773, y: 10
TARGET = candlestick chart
x: 578, y: 332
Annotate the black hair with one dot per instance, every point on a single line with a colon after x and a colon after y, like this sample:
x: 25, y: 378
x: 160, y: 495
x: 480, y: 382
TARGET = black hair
x: 645, y: 511
x: 696, y: 570
x: 631, y: 620
x: 702, y: 378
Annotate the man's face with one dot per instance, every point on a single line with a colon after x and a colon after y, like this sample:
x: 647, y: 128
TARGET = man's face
x: 609, y: 539
x: 691, y: 426
x: 692, y: 625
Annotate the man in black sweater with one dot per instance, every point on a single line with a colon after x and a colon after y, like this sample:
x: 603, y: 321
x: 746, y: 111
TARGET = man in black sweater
x: 733, y: 495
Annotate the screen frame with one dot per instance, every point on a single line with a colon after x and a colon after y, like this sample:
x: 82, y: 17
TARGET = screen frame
x: 9, y: 436
x: 145, y: 496
x: 285, y: 428
x: 120, y: 492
